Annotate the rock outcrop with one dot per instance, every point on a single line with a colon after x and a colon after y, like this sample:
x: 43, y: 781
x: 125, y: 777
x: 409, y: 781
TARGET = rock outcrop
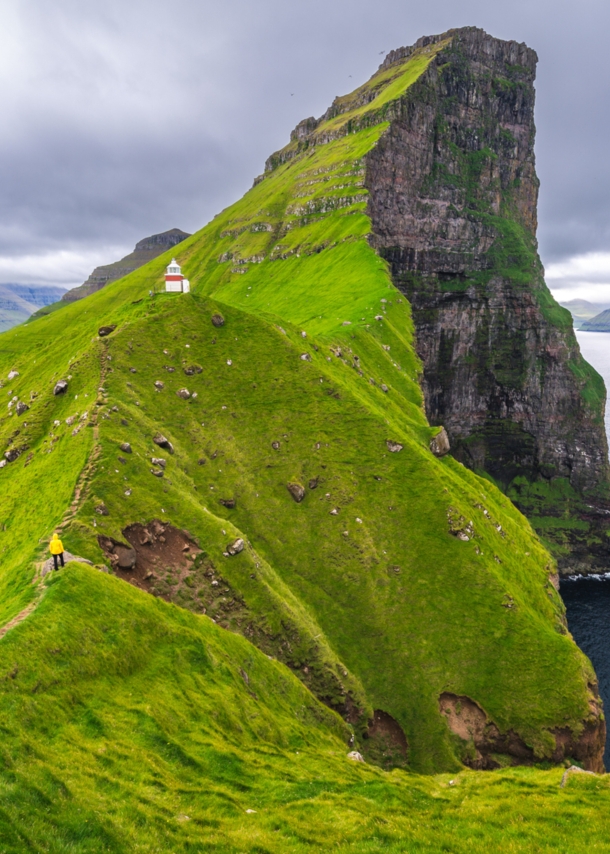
x: 453, y: 195
x: 452, y: 200
x: 483, y: 742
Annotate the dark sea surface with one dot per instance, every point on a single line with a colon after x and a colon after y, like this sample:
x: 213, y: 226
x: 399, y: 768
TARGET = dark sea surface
x: 587, y: 600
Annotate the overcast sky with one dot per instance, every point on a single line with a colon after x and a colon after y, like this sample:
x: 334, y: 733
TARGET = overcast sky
x: 122, y: 118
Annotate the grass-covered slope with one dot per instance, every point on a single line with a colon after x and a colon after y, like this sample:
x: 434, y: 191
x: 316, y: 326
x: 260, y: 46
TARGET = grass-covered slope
x: 400, y: 576
x: 131, y: 725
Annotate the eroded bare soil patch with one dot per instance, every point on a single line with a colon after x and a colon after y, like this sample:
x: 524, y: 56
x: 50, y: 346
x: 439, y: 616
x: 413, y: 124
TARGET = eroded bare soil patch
x: 167, y: 562
x: 485, y: 747
x: 385, y: 743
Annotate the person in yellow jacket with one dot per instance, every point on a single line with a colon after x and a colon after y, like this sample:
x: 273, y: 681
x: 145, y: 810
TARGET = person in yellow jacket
x: 57, y: 550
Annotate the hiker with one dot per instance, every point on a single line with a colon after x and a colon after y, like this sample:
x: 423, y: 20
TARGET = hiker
x: 57, y: 550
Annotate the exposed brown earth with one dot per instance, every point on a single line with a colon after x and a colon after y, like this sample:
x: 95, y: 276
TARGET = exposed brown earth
x: 169, y: 563
x: 385, y: 743
x: 484, y: 744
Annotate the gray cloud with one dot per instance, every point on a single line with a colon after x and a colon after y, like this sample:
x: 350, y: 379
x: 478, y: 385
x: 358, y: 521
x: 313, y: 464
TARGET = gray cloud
x: 122, y: 119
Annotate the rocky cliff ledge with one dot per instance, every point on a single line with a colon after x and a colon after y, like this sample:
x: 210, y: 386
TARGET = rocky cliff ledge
x: 453, y: 205
x: 453, y: 196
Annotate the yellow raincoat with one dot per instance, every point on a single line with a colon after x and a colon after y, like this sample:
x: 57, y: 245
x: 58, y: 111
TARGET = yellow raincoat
x: 56, y: 546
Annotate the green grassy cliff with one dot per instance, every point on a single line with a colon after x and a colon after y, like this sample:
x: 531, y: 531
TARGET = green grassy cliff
x: 400, y: 583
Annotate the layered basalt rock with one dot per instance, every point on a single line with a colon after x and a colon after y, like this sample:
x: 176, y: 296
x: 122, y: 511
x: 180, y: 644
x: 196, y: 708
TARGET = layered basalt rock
x: 453, y: 204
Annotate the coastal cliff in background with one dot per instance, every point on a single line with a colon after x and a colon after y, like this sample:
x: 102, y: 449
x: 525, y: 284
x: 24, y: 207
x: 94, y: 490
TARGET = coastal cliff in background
x: 145, y: 250
x: 453, y: 204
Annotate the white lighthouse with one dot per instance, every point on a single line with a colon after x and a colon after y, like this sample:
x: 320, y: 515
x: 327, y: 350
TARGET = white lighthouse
x: 175, y: 282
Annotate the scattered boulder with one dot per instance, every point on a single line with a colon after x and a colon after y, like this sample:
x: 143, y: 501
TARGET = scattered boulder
x: 236, y: 546
x: 169, y: 369
x: 297, y: 491
x: 218, y: 320
x: 355, y: 756
x: 21, y: 408
x: 378, y: 317
x: 127, y: 558
x: 126, y: 448
x: 159, y: 385
x: 158, y: 461
x: 458, y: 526
x: 184, y: 393
x: 439, y: 444
x: 133, y: 371
x: 101, y: 509
x: 275, y: 446
x: 160, y: 440
x: 13, y: 375
x: 60, y: 387
x: 71, y: 419
x: 157, y: 472
x: 313, y: 483
x: 229, y: 503
x: 12, y: 454
x: 122, y: 460
x: 306, y: 357
x: 3, y: 463
x: 105, y: 330
x: 193, y: 369
x: 393, y: 447
x: 384, y: 387
x: 573, y: 769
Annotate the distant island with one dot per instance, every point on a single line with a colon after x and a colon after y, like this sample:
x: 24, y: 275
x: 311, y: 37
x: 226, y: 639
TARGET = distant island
x: 18, y: 302
x: 584, y: 312
x: 599, y: 323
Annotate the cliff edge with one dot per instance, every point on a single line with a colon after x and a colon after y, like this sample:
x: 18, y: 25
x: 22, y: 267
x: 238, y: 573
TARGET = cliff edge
x: 453, y: 206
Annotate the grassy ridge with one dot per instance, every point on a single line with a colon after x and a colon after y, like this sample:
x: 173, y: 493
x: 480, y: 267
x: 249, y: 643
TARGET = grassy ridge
x: 128, y: 725
x: 402, y: 636
x: 375, y: 591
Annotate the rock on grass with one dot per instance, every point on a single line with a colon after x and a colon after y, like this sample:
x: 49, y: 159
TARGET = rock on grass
x: 297, y: 491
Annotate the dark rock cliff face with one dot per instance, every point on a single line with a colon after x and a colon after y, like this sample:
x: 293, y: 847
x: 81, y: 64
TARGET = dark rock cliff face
x: 453, y: 195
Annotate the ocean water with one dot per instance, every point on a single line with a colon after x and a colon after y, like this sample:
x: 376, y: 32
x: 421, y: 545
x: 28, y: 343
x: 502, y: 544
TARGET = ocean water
x: 587, y: 600
x: 595, y: 347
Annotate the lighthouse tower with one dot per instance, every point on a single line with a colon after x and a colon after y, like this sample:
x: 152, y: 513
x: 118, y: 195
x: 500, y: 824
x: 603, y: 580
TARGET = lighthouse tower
x: 174, y: 280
